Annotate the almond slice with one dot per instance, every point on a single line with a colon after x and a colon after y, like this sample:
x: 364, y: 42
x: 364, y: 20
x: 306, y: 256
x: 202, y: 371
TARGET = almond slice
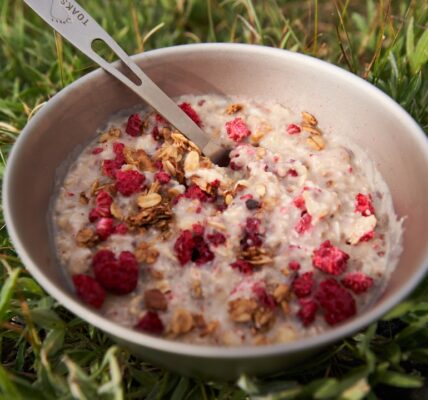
x: 149, y: 200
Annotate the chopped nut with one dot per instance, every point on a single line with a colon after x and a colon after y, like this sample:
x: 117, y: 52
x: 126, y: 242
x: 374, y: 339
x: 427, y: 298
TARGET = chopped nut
x: 263, y: 319
x: 181, y: 321
x: 210, y: 328
x: 140, y: 159
x: 242, y: 309
x: 261, y: 152
x: 158, y: 216
x: 228, y: 199
x: 149, y: 200
x: 285, y: 306
x: 86, y: 237
x: 83, y: 199
x: 111, y: 134
x: 154, y: 299
x: 116, y: 211
x: 234, y: 108
x: 257, y: 256
x: 281, y: 292
x: 146, y: 254
x: 191, y: 163
x: 309, y: 118
x: 155, y: 274
x: 199, y: 321
x: 260, y: 340
x: 216, y: 225
x: 197, y: 289
x: 257, y: 136
x: 316, y: 142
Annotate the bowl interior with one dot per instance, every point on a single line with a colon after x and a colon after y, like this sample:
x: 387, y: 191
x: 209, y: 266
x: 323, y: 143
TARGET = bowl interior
x: 341, y: 103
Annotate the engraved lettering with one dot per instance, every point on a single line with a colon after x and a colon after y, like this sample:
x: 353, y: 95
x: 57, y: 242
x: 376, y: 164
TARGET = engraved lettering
x: 80, y: 17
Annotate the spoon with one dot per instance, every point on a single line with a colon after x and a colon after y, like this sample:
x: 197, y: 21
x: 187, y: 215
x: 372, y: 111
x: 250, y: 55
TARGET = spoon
x: 70, y: 20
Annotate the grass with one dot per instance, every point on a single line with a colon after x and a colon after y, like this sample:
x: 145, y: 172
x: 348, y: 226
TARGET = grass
x: 47, y: 353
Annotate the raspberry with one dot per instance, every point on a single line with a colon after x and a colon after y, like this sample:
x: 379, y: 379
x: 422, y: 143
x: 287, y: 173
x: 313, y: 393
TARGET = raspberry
x: 97, y: 150
x: 215, y: 183
x: 330, y: 259
x: 307, y: 311
x: 299, y: 202
x: 195, y: 192
x: 118, y: 148
x: 102, y: 206
x: 188, y: 109
x: 234, y: 166
x: 293, y: 129
x: 357, y: 282
x: 265, y: 299
x: 160, y: 119
x: 216, y: 239
x: 117, y: 276
x: 104, y: 228
x: 133, y: 127
x: 252, y: 236
x: 237, y: 129
x: 243, y: 266
x: 364, y: 204
x: 89, y: 290
x: 336, y: 302
x: 110, y: 167
x: 304, y: 223
x: 294, y: 265
x: 155, y: 133
x: 292, y: 172
x: 121, y: 229
x: 162, y: 177
x: 198, y: 229
x: 183, y: 246
x: 303, y: 284
x: 129, y: 182
x: 150, y: 323
x: 201, y: 252
x: 367, y: 237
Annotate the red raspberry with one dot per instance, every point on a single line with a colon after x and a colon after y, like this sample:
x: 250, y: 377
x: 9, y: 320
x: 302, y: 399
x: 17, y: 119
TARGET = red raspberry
x: 150, y: 323
x: 243, y: 266
x: 160, y: 119
x: 292, y: 172
x: 133, y: 127
x: 118, y: 148
x: 307, y: 311
x: 117, y: 276
x: 198, y: 229
x: 293, y: 129
x: 367, y: 237
x: 336, y: 302
x: 195, y: 192
x: 97, y: 150
x: 252, y: 236
x: 102, y: 206
x: 304, y: 223
x: 215, y: 183
x: 294, y: 265
x: 330, y: 259
x: 129, y: 182
x: 188, y: 109
x: 201, y: 253
x: 299, y: 202
x: 237, y: 129
x: 357, y: 282
x: 155, y: 133
x: 265, y: 299
x: 162, y: 177
x: 121, y: 229
x: 89, y: 290
x: 104, y: 228
x: 364, y: 204
x: 234, y: 166
x: 183, y: 246
x: 216, y: 239
x: 110, y: 167
x: 303, y: 284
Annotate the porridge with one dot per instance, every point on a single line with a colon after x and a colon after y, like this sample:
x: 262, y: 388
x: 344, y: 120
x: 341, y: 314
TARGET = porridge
x: 296, y: 235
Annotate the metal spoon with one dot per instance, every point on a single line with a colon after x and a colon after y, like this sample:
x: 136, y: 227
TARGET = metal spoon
x: 69, y: 19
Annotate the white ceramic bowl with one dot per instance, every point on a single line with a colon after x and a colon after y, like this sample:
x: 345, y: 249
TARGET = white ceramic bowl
x: 342, y: 102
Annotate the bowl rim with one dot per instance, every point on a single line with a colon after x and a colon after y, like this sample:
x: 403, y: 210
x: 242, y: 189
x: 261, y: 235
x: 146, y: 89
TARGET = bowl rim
x: 196, y: 350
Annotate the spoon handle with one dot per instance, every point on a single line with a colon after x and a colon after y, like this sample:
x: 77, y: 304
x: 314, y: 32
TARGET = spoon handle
x: 69, y: 19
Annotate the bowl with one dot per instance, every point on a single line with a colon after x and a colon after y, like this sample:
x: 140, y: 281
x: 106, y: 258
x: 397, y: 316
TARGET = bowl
x: 342, y: 102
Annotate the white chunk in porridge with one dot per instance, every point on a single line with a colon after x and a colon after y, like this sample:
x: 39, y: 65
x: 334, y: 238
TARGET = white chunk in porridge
x: 297, y: 234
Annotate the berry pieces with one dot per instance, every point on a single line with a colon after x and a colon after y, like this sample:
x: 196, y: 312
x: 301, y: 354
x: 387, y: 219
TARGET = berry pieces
x: 265, y: 299
x: 150, y: 323
x: 129, y: 182
x: 89, y: 290
x: 304, y: 223
x: 162, y: 177
x: 102, y: 206
x: 364, y: 204
x: 191, y: 246
x: 237, y: 129
x: 357, y: 282
x: 293, y: 129
x: 195, y: 192
x: 330, y: 259
x: 134, y: 124
x: 303, y: 284
x: 189, y: 110
x: 216, y: 239
x: 244, y: 267
x: 119, y: 276
x: 307, y: 311
x: 110, y: 167
x: 183, y: 246
x: 336, y: 302
x: 104, y: 228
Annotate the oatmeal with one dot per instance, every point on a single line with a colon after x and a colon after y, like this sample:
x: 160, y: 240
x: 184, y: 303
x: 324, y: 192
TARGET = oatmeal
x: 296, y: 235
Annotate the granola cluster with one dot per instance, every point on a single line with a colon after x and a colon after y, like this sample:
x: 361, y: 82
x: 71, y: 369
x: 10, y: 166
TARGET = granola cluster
x: 292, y: 237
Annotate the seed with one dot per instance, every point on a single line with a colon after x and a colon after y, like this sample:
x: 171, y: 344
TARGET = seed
x: 149, y: 200
x: 309, y: 118
x: 252, y: 204
x: 316, y: 142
